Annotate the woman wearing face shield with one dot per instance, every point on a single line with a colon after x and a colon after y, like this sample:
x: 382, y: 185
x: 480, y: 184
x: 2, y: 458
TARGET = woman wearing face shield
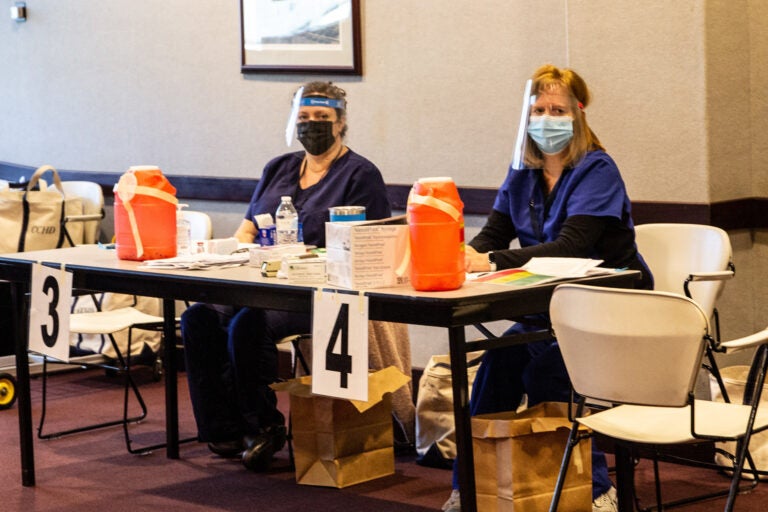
x: 568, y: 200
x: 230, y: 353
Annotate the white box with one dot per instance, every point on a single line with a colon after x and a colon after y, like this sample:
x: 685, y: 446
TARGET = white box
x: 368, y: 254
x: 307, y: 271
x: 260, y: 254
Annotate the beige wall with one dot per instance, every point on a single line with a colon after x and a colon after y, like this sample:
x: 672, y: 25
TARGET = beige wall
x: 679, y: 94
x: 94, y: 85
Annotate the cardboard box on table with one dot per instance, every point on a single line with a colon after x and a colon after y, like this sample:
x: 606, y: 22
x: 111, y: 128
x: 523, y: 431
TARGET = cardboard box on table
x: 368, y: 254
x: 518, y: 456
x: 339, y: 442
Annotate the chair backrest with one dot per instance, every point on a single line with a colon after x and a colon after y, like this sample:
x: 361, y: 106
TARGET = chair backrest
x: 674, y: 251
x: 92, y: 197
x: 629, y: 346
x: 201, y: 227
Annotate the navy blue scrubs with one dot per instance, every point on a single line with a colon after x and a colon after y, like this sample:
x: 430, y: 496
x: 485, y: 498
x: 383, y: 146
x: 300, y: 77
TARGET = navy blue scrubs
x: 593, y: 187
x: 230, y: 353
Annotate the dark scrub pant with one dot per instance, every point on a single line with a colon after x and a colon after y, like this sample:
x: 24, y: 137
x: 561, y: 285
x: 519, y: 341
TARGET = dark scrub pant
x: 231, y: 359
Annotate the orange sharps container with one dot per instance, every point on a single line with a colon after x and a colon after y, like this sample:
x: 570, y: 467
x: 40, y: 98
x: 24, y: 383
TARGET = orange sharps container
x: 145, y: 215
x: 436, y: 225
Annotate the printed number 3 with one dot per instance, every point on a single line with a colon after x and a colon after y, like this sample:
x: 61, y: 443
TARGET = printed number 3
x: 341, y: 362
x: 50, y: 284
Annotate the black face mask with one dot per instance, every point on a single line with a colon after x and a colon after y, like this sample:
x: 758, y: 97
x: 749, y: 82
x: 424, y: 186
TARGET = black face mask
x: 316, y: 136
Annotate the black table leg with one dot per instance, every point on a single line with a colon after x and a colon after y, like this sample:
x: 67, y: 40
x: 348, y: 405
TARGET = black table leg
x: 625, y: 478
x: 19, y: 328
x: 464, y: 453
x: 171, y: 385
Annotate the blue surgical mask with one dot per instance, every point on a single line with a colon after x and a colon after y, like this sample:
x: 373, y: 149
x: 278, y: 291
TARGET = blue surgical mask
x: 551, y: 133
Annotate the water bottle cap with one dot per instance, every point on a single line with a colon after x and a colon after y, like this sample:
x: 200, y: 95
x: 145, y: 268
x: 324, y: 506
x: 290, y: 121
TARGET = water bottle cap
x: 285, y: 198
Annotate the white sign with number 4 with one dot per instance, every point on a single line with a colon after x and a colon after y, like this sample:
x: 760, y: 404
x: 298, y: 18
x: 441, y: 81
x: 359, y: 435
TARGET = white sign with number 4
x: 340, y: 345
x: 49, y: 312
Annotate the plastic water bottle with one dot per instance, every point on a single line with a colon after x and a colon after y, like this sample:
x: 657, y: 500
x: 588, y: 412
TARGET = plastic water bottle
x: 183, y: 233
x: 286, y: 222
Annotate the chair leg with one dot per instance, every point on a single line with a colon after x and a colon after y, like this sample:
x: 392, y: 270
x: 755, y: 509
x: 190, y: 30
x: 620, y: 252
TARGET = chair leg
x: 298, y: 356
x: 62, y: 433
x: 130, y: 384
x: 758, y: 371
x: 657, y: 484
x: 573, y: 440
x: 712, y: 368
x: 125, y: 361
x: 661, y: 505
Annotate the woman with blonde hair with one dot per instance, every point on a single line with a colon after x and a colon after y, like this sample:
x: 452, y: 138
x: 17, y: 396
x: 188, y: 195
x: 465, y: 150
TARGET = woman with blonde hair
x: 567, y: 199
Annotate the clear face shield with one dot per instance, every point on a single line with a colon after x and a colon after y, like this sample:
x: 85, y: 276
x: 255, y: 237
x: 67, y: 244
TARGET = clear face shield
x: 309, y: 101
x: 521, y: 143
x: 290, y: 128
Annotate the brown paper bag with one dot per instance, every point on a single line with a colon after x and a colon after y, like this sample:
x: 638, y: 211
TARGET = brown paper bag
x: 337, y: 442
x: 518, y: 456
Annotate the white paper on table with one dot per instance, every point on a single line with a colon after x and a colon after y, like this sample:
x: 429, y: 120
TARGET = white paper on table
x: 565, y: 267
x: 200, y: 261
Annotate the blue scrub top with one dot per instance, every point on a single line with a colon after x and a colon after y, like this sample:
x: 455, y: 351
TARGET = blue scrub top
x: 352, y: 180
x: 593, y: 187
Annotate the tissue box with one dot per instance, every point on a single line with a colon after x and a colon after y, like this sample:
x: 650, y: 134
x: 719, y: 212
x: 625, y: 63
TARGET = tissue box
x: 367, y: 254
x: 337, y: 442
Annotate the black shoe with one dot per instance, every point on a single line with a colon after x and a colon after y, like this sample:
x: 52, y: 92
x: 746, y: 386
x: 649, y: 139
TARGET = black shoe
x: 260, y: 449
x: 228, y: 449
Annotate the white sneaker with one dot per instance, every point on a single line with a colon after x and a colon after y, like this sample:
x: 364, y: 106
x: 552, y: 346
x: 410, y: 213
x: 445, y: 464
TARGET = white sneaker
x: 454, y: 502
x: 606, y: 502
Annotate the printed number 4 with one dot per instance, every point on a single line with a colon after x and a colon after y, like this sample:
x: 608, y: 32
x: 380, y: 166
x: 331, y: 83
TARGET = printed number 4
x: 341, y: 362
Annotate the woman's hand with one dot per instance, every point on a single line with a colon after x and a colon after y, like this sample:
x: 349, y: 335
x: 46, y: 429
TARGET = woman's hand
x: 246, y: 232
x: 476, y: 261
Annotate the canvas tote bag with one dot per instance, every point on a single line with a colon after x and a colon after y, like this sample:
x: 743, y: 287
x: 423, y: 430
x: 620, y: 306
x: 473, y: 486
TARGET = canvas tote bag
x: 31, y: 220
x: 435, y: 428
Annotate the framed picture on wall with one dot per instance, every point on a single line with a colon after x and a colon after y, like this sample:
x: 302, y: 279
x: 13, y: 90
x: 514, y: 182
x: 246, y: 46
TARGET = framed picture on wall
x: 301, y: 36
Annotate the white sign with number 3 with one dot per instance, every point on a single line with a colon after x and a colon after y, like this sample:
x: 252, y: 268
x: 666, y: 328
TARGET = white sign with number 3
x: 49, y: 312
x: 340, y: 345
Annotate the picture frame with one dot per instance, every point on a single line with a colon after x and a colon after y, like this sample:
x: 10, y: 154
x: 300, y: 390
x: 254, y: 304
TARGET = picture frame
x: 300, y: 36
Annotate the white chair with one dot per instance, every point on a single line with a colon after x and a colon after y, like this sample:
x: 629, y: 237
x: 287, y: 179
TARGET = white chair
x: 108, y: 323
x: 694, y: 259
x: 641, y: 351
x: 92, y: 197
x: 690, y: 259
x: 201, y: 227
